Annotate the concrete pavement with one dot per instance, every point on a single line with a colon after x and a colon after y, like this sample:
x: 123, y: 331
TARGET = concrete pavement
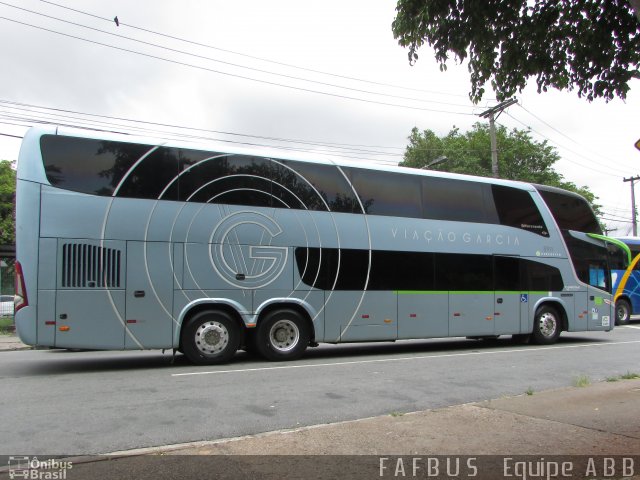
x: 10, y: 342
x: 598, y: 419
x: 602, y: 419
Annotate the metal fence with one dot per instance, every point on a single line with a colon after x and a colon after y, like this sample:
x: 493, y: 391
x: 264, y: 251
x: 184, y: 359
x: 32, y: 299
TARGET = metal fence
x: 7, y: 285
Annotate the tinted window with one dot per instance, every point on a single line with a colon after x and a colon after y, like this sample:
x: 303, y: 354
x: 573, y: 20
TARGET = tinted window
x: 151, y: 176
x: 516, y: 208
x: 234, y: 179
x: 385, y: 193
x: 321, y: 186
x: 86, y: 165
x: 455, y: 200
x: 507, y: 276
x: 571, y: 211
x: 540, y: 277
x: 464, y: 272
x: 402, y: 271
x: 389, y: 270
x: 617, y: 257
x: 590, y: 262
x: 423, y: 271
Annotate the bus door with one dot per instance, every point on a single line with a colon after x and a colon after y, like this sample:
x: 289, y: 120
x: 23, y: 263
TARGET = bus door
x: 90, y: 294
x: 590, y: 255
x: 149, y: 295
x: 469, y: 280
x: 510, y: 297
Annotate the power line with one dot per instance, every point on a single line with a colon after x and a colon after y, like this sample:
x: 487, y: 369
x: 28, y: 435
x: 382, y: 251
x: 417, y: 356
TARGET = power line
x: 183, y: 137
x: 616, y: 220
x: 202, y: 57
x: 560, y: 133
x: 200, y: 67
x: 21, y: 107
x: 253, y: 57
x: 8, y: 135
x: 55, y: 114
x: 568, y: 149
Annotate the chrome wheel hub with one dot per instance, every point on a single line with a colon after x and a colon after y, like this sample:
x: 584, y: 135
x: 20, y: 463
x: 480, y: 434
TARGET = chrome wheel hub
x: 212, y: 338
x: 622, y: 314
x: 548, y: 325
x: 284, y: 335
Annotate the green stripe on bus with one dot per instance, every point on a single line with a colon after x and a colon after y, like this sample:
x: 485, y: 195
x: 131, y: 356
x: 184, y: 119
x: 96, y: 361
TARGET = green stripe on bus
x: 467, y: 292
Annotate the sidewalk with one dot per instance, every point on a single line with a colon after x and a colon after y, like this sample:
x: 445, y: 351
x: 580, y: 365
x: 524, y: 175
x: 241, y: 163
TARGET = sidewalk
x: 11, y: 342
x: 599, y: 419
x: 593, y: 430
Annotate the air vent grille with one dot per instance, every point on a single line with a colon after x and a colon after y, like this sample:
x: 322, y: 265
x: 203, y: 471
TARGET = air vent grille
x: 90, y: 266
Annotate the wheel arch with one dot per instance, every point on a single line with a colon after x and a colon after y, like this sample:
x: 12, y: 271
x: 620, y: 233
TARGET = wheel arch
x: 625, y: 297
x: 558, y: 306
x: 303, y: 308
x: 231, y: 308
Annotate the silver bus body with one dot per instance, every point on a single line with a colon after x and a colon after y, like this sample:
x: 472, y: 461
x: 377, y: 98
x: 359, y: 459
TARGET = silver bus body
x: 122, y: 242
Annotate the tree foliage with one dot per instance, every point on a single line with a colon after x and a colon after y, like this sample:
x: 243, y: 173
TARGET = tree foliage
x: 519, y: 156
x: 589, y: 45
x: 7, y: 203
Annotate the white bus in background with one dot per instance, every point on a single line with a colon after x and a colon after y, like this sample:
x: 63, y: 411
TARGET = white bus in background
x: 124, y: 243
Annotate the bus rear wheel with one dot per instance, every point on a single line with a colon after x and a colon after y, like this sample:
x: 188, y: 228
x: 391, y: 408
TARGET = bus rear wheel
x: 546, y: 326
x: 623, y: 312
x: 211, y: 337
x: 282, y: 335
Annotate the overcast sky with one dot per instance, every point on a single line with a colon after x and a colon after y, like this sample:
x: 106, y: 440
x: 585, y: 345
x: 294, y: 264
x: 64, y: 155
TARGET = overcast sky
x: 285, y: 69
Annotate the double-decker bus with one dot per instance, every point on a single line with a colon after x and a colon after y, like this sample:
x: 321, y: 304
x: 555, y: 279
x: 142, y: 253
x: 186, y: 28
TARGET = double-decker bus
x: 127, y: 243
x: 626, y: 282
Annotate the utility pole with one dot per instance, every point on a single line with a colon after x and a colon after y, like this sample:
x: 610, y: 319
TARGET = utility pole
x: 634, y: 218
x: 491, y: 115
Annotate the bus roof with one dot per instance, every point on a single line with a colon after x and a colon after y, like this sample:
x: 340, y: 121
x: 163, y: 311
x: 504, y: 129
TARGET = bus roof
x: 630, y: 240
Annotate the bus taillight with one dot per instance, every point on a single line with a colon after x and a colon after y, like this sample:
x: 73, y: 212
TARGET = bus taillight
x: 21, y: 299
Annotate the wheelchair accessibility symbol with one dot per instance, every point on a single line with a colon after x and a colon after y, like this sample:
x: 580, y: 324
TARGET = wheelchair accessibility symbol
x: 524, y: 298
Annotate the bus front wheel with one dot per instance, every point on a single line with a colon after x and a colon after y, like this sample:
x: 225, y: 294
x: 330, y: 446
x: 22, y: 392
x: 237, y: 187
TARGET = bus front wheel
x: 546, y: 326
x: 623, y: 312
x: 282, y: 335
x: 211, y: 337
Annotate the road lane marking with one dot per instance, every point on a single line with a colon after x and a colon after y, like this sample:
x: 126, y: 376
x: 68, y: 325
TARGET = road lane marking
x: 402, y: 359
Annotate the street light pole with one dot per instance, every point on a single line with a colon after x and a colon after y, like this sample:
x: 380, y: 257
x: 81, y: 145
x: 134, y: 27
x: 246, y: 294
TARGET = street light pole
x: 634, y: 218
x: 492, y: 114
x: 434, y: 162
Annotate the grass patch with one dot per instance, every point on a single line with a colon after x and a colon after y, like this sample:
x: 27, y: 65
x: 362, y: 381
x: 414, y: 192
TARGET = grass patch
x: 396, y: 414
x: 582, y: 381
x: 6, y: 322
x: 6, y: 325
x: 626, y: 376
x: 529, y: 391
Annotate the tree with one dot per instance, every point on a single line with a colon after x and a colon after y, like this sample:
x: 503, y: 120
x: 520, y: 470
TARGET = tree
x: 7, y: 203
x: 589, y: 45
x: 519, y: 156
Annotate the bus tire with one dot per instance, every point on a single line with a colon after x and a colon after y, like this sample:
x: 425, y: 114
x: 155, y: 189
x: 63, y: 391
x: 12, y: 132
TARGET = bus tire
x: 547, y: 326
x: 282, y: 335
x: 623, y: 311
x: 211, y: 337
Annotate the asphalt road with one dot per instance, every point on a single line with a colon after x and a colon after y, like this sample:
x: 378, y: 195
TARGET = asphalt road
x: 56, y: 402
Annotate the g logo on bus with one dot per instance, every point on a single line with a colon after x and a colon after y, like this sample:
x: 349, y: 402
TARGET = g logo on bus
x: 240, y: 252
